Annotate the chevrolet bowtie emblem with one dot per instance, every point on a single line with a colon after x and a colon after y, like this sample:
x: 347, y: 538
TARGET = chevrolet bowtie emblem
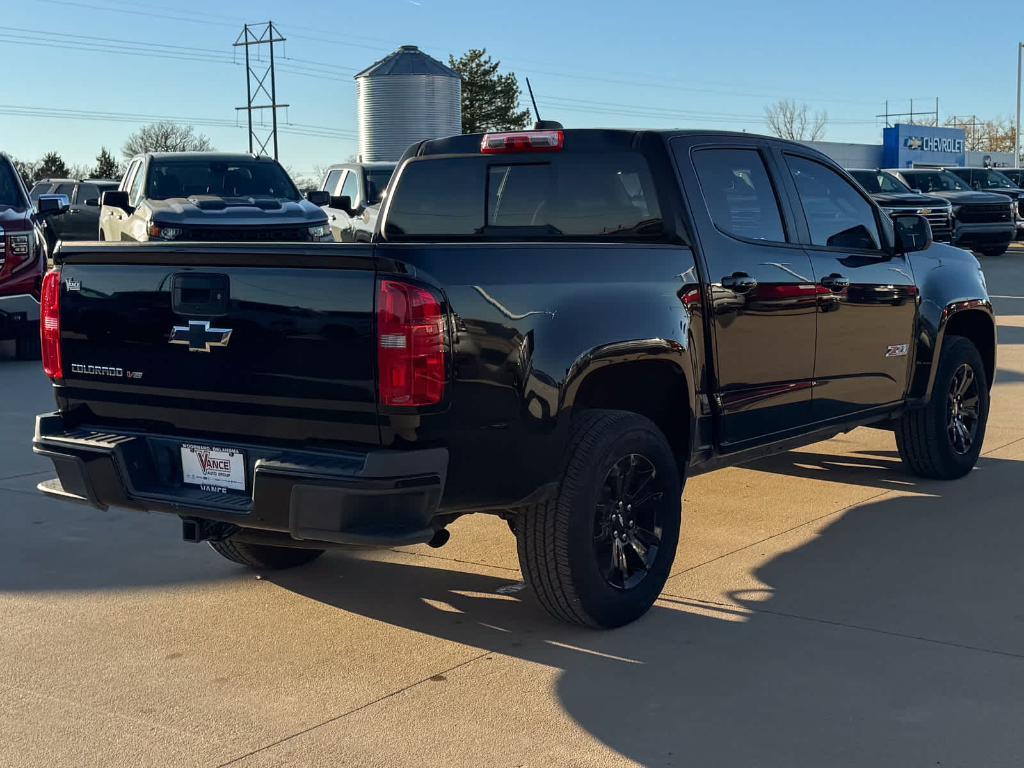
x: 198, y: 336
x: 914, y: 142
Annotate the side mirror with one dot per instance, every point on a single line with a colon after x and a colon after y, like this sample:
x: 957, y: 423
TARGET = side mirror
x: 93, y: 202
x: 52, y: 205
x: 319, y: 197
x: 342, y: 202
x: 115, y: 198
x: 913, y: 232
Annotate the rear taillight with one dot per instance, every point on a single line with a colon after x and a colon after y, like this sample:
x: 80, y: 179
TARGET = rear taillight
x: 410, y: 345
x: 522, y: 141
x: 49, y: 325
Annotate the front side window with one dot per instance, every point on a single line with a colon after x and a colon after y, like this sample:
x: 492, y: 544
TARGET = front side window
x: 331, y: 184
x: 350, y: 188
x: 837, y: 214
x: 739, y: 193
x: 65, y: 188
x: 135, y: 195
x: 219, y: 178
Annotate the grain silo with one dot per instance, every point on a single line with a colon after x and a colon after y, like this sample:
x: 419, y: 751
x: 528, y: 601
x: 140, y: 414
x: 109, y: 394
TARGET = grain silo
x: 404, y: 98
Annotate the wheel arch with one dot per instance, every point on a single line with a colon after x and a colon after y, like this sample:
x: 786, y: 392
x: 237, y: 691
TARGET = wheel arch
x: 974, y: 320
x: 651, y: 377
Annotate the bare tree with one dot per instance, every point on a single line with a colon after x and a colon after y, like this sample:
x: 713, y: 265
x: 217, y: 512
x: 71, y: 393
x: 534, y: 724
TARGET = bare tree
x: 789, y: 120
x: 165, y: 136
x: 985, y: 135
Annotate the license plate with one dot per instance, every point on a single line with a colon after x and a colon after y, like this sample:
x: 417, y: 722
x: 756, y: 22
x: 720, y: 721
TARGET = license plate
x: 213, y: 468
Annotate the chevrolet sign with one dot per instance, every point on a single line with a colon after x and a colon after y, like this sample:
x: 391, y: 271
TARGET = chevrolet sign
x: 934, y: 144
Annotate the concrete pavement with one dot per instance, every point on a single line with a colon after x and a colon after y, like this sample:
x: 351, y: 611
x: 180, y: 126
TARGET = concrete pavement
x: 825, y: 609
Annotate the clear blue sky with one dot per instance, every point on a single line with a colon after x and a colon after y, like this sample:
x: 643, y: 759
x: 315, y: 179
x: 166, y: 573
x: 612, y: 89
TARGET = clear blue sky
x: 592, y: 63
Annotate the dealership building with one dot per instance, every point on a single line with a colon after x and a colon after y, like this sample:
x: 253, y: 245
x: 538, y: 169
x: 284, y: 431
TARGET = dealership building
x: 913, y: 146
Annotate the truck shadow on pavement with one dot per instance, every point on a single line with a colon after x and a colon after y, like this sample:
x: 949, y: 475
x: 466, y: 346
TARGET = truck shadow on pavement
x: 893, y: 635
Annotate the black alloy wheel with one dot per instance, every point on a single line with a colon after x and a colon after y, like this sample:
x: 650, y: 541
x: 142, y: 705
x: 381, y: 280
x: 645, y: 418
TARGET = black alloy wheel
x: 962, y: 409
x: 627, y: 524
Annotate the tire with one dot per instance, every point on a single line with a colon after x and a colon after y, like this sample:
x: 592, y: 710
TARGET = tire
x: 568, y: 544
x: 263, y: 556
x: 27, y: 345
x: 993, y: 251
x: 928, y: 445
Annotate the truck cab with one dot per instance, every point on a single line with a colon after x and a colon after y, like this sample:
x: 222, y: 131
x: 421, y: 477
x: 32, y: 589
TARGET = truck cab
x: 355, y: 191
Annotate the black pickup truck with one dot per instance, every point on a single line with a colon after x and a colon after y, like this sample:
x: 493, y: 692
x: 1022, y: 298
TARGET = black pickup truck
x: 555, y: 327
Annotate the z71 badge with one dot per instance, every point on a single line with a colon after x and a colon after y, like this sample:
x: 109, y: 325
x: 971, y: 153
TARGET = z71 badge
x: 896, y: 350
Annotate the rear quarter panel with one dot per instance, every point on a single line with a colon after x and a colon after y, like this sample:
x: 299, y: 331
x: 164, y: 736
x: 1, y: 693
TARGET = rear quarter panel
x: 530, y: 322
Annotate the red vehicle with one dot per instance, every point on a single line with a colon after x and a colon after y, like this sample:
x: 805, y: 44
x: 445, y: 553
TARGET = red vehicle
x: 23, y: 259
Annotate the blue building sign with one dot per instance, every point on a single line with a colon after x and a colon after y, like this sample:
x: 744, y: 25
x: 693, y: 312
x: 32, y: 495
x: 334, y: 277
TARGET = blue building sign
x: 904, y: 146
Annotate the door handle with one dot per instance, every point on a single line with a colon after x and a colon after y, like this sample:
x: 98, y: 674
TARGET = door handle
x: 836, y: 282
x: 740, y: 282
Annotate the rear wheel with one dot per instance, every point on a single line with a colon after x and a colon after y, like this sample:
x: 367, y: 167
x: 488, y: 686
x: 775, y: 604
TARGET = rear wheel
x: 263, y: 556
x: 943, y: 439
x: 600, y: 550
x: 994, y: 251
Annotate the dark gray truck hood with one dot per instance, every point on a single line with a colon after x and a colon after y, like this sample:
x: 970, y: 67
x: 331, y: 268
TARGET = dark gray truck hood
x: 213, y: 211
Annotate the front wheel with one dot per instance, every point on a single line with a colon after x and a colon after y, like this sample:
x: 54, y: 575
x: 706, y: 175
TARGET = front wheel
x: 600, y: 550
x: 994, y: 251
x: 943, y: 439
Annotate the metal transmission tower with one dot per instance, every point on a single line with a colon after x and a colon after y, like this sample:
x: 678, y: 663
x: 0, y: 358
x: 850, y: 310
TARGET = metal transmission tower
x: 256, y: 84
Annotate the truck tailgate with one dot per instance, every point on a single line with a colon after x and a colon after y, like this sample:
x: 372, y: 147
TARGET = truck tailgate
x: 276, y: 343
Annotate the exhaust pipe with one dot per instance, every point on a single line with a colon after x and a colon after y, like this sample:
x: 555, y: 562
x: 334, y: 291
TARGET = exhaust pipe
x: 440, y: 538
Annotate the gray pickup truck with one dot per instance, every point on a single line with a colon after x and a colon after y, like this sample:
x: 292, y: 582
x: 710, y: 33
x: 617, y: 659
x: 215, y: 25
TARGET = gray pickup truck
x: 210, y: 196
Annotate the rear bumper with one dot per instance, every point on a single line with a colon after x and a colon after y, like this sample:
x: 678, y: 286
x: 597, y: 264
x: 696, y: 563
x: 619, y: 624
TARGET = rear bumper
x: 379, y: 498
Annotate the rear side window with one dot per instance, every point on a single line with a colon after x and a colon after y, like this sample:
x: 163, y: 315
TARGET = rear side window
x: 64, y: 189
x: 739, y: 193
x: 837, y: 215
x: 583, y: 195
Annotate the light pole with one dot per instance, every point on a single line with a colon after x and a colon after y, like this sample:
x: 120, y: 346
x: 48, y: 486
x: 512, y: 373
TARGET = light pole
x: 1016, y: 133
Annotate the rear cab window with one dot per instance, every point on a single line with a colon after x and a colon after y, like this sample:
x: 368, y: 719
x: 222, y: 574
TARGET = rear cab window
x: 528, y: 196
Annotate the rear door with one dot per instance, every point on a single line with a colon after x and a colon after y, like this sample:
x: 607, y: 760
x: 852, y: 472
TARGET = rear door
x: 83, y: 220
x: 275, y: 344
x: 867, y: 296
x: 761, y: 288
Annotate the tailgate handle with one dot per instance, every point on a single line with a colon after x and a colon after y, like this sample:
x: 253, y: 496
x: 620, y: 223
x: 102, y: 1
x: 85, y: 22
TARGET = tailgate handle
x: 200, y: 294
